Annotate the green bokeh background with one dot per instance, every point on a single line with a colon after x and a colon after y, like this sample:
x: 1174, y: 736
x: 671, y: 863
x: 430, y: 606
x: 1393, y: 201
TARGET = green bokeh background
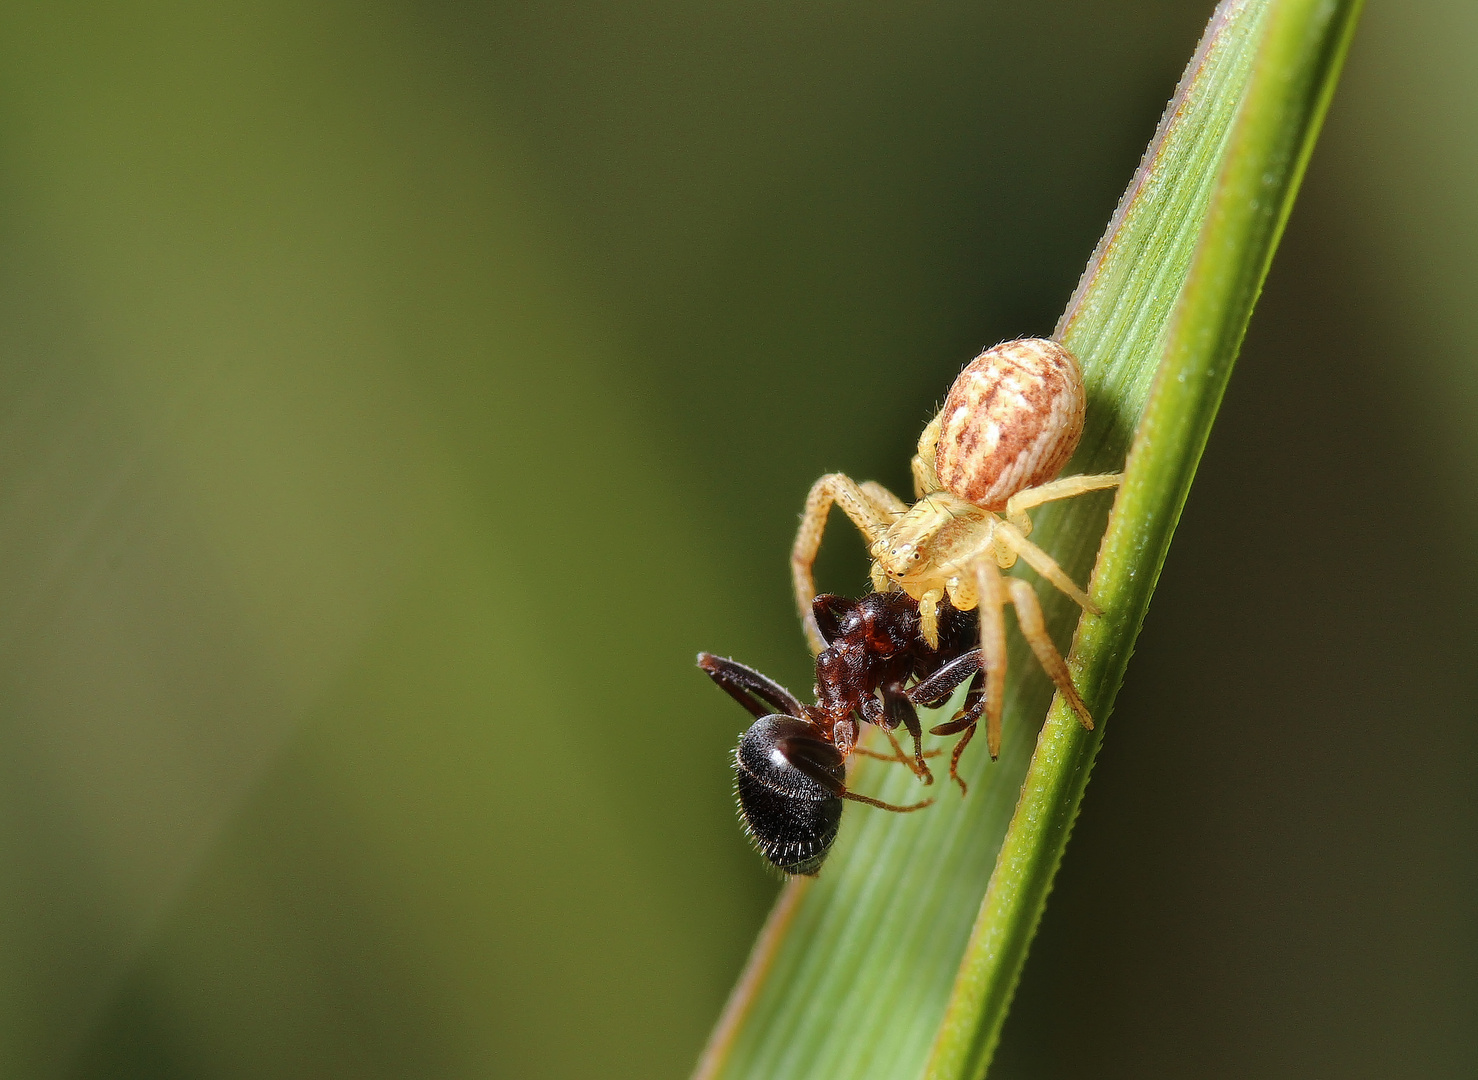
x: 395, y: 397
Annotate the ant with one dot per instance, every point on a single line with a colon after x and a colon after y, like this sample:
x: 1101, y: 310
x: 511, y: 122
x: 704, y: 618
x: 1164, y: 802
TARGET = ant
x: 790, y: 766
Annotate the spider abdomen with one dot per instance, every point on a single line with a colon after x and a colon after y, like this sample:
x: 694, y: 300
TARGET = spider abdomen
x: 1012, y: 419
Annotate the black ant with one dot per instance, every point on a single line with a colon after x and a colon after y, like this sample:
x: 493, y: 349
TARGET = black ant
x: 790, y: 766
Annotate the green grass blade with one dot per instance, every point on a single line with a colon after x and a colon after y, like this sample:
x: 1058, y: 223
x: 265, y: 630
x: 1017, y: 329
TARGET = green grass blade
x: 859, y: 974
x: 1298, y: 61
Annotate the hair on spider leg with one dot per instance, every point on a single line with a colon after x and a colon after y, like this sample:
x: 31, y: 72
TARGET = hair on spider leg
x: 790, y: 765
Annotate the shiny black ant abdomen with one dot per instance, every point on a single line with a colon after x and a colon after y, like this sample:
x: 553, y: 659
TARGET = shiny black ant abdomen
x: 791, y: 816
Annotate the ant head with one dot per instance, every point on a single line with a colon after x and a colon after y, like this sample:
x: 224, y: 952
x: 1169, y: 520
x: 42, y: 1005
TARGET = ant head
x: 789, y: 781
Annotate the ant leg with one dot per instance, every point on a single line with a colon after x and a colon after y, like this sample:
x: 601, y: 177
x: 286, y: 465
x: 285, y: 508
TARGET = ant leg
x: 819, y: 773
x: 932, y: 692
x: 969, y: 712
x: 1029, y: 618
x: 965, y: 720
x: 954, y: 759
x: 974, y: 698
x: 899, y: 710
x: 1044, y: 564
x: 910, y: 808
x: 992, y: 648
x: 1066, y: 488
x: 925, y: 478
x: 898, y: 757
x: 904, y: 759
x: 870, y: 521
x: 744, y: 684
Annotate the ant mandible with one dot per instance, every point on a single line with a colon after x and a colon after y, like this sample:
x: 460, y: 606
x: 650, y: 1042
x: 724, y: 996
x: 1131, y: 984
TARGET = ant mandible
x: 790, y: 766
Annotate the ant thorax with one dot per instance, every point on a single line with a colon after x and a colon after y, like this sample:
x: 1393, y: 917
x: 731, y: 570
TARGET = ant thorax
x: 931, y: 543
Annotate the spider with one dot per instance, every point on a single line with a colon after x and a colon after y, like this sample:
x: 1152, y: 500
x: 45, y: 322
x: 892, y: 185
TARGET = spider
x: 790, y: 766
x: 1009, y: 424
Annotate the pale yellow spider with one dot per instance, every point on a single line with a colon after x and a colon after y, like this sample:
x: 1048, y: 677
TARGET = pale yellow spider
x: 1011, y: 421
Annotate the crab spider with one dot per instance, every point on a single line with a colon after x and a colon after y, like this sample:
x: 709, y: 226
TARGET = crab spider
x: 1012, y: 419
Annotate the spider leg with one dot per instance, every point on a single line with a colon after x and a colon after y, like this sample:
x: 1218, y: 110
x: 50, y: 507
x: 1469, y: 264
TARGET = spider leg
x: 1029, y: 618
x: 869, y: 518
x: 925, y: 479
x: 929, y: 616
x: 883, y: 499
x: 891, y: 507
x: 1010, y: 536
x: 1066, y: 488
x: 992, y: 649
x: 744, y: 685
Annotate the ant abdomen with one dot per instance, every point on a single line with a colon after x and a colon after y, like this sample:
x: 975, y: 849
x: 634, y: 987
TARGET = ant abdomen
x: 790, y: 813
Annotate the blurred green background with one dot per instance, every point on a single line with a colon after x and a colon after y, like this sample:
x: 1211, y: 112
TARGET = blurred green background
x: 395, y: 397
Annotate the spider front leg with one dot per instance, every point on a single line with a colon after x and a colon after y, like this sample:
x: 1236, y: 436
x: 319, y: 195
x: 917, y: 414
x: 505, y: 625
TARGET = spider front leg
x: 872, y: 509
x: 883, y: 499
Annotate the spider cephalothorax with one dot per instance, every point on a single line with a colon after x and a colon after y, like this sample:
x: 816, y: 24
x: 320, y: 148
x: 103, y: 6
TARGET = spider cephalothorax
x: 1011, y: 421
